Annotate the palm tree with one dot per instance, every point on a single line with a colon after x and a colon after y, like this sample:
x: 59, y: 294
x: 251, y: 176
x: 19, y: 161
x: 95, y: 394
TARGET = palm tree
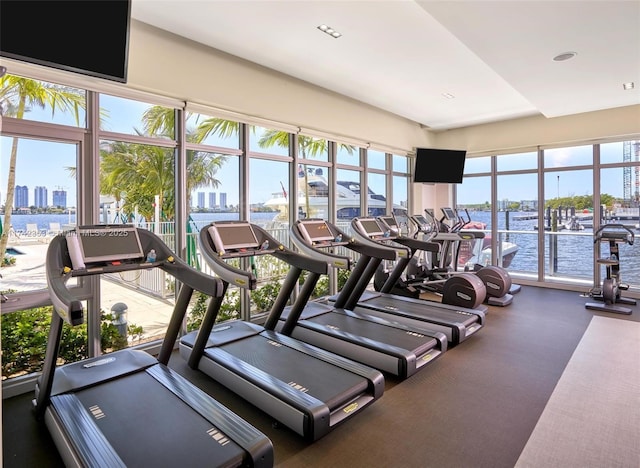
x: 140, y: 172
x: 18, y: 95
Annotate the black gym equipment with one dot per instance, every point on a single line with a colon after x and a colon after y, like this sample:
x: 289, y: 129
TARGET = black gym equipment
x: 456, y: 322
x: 496, y: 279
x: 128, y: 408
x: 342, y: 326
x: 305, y: 388
x: 412, y: 275
x: 610, y: 294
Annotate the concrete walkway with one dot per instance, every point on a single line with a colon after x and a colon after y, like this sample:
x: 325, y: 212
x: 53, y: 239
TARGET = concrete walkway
x: 28, y: 274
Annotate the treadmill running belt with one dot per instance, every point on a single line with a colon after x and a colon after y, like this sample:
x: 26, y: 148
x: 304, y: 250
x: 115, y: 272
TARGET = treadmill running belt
x: 150, y: 417
x: 325, y: 382
x: 361, y: 329
x: 389, y: 303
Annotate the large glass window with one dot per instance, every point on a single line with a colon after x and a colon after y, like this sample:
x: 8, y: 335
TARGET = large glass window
x: 517, y: 196
x: 41, y: 187
x: 313, y: 148
x: 376, y: 202
x: 568, y: 212
x: 347, y: 197
x: 376, y: 159
x: 347, y: 154
x: 212, y: 131
x: 263, y: 139
x: 132, y: 117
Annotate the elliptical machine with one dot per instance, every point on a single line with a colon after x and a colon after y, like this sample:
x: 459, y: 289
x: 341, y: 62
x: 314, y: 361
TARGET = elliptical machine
x: 496, y: 279
x: 610, y: 293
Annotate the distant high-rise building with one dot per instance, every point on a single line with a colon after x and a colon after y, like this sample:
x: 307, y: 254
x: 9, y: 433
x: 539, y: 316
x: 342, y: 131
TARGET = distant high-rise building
x: 40, y: 196
x: 200, y: 199
x: 212, y: 200
x: 21, y: 197
x: 223, y: 200
x: 60, y: 198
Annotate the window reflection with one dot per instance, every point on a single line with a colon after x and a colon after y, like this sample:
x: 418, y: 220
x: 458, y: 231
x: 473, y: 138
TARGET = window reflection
x: 518, y: 161
x: 132, y: 117
x: 263, y: 140
x: 570, y: 156
x: 313, y: 148
x: 477, y: 165
x: 213, y: 131
x: 400, y: 163
x: 347, y: 154
x: 39, y: 98
x: 376, y: 159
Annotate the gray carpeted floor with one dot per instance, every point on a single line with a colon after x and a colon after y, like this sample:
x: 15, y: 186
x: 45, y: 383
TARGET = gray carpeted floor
x: 593, y: 416
x: 477, y: 406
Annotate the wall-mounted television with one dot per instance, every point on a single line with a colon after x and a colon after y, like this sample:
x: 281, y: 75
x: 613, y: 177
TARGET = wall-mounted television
x: 435, y: 165
x: 86, y: 37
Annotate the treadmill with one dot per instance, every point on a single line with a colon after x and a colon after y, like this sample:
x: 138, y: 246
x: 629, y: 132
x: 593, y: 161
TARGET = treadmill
x: 128, y: 408
x: 387, y: 345
x: 456, y: 322
x: 305, y: 388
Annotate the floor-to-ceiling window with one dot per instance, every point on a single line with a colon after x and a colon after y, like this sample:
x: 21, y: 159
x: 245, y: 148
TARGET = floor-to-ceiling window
x: 548, y: 203
x: 109, y: 159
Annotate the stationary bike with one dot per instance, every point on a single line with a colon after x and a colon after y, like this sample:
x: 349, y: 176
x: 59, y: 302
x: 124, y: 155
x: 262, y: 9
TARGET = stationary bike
x: 610, y: 293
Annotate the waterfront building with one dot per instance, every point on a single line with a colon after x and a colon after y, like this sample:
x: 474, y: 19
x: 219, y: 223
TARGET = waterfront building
x: 201, y: 200
x: 212, y: 200
x: 223, y: 200
x: 40, y: 195
x: 60, y: 198
x: 21, y: 197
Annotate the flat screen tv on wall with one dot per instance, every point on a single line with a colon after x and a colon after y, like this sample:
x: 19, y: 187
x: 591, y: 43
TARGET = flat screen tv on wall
x: 86, y: 37
x: 445, y: 166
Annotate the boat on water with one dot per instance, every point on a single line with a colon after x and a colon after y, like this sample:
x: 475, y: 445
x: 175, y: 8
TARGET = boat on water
x: 313, y: 199
x: 478, y: 251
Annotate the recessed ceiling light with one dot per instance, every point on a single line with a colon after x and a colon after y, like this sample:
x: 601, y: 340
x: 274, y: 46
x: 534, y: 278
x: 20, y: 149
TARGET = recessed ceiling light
x: 628, y: 86
x: 564, y: 56
x: 448, y: 95
x: 329, y: 30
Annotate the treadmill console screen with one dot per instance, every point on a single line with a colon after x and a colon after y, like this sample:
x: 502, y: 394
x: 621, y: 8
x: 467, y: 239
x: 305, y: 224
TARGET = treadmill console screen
x: 448, y: 213
x: 108, y: 244
x: 370, y: 227
x: 316, y: 231
x: 422, y: 222
x: 390, y: 221
x: 233, y: 236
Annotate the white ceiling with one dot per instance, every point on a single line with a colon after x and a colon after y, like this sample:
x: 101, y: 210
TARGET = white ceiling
x: 495, y: 57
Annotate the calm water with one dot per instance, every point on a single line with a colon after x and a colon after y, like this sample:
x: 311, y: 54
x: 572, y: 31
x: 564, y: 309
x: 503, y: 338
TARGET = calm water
x: 574, y: 256
x: 574, y: 249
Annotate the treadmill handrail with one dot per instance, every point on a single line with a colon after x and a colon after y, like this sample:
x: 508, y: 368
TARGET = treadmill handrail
x: 244, y: 278
x: 401, y: 251
x: 319, y: 251
x: 59, y: 271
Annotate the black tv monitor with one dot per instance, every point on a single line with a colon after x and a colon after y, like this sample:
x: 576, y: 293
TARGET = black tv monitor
x: 436, y: 166
x: 86, y: 37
